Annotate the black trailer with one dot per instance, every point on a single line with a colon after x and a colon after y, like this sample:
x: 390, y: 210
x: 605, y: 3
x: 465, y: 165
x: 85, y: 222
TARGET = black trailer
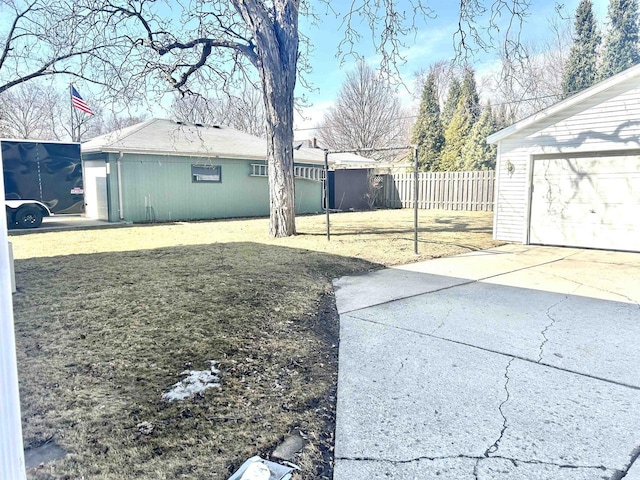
x: 41, y: 179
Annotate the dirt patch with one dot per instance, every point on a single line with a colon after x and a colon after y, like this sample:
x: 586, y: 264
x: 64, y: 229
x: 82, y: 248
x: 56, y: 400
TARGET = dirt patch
x: 42, y: 454
x: 326, y: 326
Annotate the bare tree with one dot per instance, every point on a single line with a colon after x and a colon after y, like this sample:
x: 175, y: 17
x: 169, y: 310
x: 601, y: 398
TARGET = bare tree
x: 534, y: 81
x: 367, y: 114
x: 42, y: 38
x: 28, y: 111
x: 243, y: 112
x: 443, y: 72
x: 39, y: 111
x: 115, y: 121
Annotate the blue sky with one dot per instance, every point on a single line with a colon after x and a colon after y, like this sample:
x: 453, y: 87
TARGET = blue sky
x: 432, y: 42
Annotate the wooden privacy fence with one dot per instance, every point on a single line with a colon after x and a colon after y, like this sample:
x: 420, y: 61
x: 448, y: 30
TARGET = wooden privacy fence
x: 441, y: 190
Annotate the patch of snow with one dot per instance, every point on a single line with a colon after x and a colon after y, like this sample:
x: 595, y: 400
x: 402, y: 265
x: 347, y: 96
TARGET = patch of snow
x: 197, y: 381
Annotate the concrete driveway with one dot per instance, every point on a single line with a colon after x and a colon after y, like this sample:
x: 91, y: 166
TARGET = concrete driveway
x: 513, y: 363
x: 65, y: 223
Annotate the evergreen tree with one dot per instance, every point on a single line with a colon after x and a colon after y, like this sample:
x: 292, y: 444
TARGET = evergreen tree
x: 454, y: 139
x: 427, y: 131
x: 476, y: 152
x: 621, y: 40
x: 469, y: 95
x: 459, y: 128
x: 451, y: 104
x: 581, y: 68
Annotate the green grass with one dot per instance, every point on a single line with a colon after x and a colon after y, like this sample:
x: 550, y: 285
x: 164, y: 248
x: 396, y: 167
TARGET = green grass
x: 100, y: 337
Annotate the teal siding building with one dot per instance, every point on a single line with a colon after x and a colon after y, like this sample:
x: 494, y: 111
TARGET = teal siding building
x: 161, y: 170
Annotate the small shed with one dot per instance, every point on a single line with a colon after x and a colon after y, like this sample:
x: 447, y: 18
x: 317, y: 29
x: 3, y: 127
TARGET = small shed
x: 353, y: 184
x: 570, y: 175
x: 163, y: 170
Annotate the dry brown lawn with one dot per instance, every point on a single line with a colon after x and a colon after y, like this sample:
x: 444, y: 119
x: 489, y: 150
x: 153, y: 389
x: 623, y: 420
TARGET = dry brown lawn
x: 107, y: 319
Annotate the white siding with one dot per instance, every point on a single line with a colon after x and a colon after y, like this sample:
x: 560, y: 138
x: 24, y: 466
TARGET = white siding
x: 607, y: 122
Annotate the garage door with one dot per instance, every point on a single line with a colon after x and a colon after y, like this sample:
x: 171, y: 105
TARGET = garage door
x: 589, y: 202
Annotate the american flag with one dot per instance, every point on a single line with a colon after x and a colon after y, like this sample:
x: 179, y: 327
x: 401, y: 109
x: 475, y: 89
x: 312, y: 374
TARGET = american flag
x: 78, y: 102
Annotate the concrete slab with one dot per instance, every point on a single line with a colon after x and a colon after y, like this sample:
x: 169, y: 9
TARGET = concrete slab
x: 493, y: 468
x: 67, y: 222
x: 465, y: 469
x: 441, y: 469
x: 588, y: 279
x: 565, y: 331
x: 356, y: 292
x: 430, y: 386
x: 403, y: 396
x: 433, y: 399
x: 560, y: 418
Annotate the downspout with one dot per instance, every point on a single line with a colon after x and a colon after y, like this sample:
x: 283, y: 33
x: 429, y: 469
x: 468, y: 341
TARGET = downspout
x: 119, y: 166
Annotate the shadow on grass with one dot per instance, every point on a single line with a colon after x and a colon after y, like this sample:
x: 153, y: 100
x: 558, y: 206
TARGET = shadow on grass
x: 448, y: 226
x: 100, y: 337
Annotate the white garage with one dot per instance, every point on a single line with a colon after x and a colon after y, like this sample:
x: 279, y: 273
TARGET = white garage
x: 570, y: 175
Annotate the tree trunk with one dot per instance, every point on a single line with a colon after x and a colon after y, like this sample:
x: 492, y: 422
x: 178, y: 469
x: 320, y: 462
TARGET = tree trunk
x: 276, y: 55
x: 279, y: 113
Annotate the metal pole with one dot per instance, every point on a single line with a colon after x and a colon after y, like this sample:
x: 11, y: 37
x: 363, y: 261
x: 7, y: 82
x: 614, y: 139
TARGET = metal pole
x: 326, y: 192
x: 415, y: 200
x: 11, y: 453
x: 73, y: 133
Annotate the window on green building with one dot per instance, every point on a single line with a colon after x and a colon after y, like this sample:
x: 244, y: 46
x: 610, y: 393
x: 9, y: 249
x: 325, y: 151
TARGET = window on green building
x: 206, y: 173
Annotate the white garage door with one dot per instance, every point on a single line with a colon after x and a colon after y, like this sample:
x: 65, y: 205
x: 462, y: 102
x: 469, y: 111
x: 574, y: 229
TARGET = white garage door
x: 586, y: 202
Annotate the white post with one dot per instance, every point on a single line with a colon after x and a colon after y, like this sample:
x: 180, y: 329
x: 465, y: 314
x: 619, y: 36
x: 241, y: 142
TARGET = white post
x: 11, y: 449
x: 13, y: 273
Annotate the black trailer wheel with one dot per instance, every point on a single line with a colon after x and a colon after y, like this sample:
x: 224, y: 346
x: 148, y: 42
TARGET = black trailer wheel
x: 28, y: 217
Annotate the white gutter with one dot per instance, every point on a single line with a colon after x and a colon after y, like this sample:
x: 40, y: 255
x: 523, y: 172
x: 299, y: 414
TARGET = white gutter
x: 119, y: 165
x: 313, y: 158
x: 11, y: 453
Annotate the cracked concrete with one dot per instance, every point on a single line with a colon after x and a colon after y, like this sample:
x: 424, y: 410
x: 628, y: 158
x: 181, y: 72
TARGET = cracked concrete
x: 494, y: 448
x: 553, y: 321
x: 510, y: 320
x: 465, y: 358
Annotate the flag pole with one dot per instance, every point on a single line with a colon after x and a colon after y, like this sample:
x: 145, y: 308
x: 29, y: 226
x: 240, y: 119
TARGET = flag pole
x: 73, y: 132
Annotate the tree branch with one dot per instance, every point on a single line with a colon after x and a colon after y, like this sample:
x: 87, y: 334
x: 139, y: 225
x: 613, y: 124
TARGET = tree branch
x: 10, y: 35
